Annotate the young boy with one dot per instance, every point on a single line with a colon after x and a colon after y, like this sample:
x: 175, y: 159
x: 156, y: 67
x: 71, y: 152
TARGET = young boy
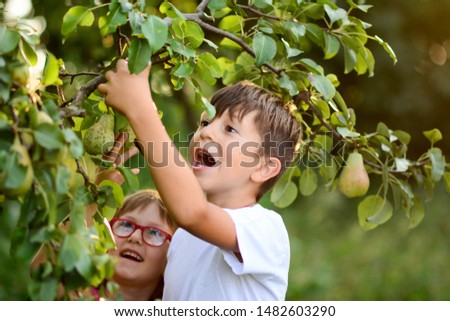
x: 227, y: 247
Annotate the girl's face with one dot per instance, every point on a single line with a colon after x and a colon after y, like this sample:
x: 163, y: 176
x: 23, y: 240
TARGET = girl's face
x: 139, y: 263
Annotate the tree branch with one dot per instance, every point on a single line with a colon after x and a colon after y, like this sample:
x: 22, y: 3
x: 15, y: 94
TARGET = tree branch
x: 74, y: 109
x: 304, y: 96
x: 199, y: 17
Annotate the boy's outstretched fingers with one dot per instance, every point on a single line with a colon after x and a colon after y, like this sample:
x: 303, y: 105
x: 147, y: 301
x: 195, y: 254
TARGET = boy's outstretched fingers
x: 114, y: 155
x: 103, y: 88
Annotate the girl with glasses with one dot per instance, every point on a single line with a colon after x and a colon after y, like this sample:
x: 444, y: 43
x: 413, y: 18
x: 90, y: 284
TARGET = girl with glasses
x: 142, y: 231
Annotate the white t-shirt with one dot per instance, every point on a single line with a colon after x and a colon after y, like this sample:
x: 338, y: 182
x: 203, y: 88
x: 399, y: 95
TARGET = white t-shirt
x: 199, y: 271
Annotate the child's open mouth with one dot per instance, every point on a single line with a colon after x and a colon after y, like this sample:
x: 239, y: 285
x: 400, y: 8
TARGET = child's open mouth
x: 131, y: 255
x: 203, y: 159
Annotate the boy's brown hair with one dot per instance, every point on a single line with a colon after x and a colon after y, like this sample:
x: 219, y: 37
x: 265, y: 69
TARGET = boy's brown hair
x: 141, y: 199
x: 275, y: 121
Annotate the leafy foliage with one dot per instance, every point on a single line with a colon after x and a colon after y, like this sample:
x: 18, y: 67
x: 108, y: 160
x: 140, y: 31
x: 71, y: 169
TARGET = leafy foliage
x: 47, y: 179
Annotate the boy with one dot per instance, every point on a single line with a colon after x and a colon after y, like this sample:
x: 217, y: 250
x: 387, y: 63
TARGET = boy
x: 227, y: 247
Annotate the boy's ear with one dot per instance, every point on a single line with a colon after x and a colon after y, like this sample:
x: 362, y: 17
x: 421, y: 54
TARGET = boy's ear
x: 267, y: 169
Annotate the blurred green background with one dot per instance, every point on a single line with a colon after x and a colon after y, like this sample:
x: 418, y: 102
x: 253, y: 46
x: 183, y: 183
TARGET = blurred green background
x: 332, y: 257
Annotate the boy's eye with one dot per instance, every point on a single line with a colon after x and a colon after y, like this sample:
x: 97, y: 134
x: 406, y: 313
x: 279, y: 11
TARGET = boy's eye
x: 231, y: 129
x: 203, y: 123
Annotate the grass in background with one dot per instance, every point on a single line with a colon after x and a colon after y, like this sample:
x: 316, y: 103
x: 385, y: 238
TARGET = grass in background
x: 334, y: 259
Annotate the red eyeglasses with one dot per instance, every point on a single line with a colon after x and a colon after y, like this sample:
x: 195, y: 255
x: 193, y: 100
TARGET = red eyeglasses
x: 151, y: 235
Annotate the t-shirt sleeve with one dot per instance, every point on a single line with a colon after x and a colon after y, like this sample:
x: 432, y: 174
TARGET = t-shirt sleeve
x: 263, y: 242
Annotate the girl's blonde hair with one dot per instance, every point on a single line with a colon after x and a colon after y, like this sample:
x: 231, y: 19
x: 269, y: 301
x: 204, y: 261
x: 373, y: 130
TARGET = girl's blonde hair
x: 141, y: 199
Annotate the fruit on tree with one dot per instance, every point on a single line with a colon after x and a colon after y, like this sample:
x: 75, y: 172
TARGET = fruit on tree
x: 99, y: 138
x: 354, y: 180
x: 20, y: 71
x: 17, y: 171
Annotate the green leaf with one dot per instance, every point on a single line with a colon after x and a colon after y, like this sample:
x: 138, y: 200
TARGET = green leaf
x: 77, y: 216
x: 262, y: 3
x: 316, y: 34
x: 62, y: 178
x: 323, y: 85
x: 387, y: 48
x: 207, y: 106
x: 341, y: 103
x: 232, y: 23
x: 407, y: 196
x: 171, y: 11
x: 125, y: 5
x: 28, y: 53
x: 49, y: 136
x: 289, y: 194
x: 437, y: 163
x: 194, y: 34
x: 114, y: 19
x: 291, y: 52
x: 208, y: 68
x: 75, y: 145
x: 312, y: 66
x: 136, y: 19
x: 117, y: 192
x: 265, y: 48
x: 183, y: 69
x: 9, y: 40
x: 417, y: 213
x: 130, y: 178
x: 383, y: 130
x: 403, y: 136
x: 285, y: 191
x: 13, y: 171
x: 373, y: 211
x: 70, y: 252
x: 433, y: 135
x: 308, y: 182
x: 350, y: 59
x: 335, y: 14
x: 289, y: 84
x: 77, y: 15
x: 155, y: 30
x: 45, y: 290
x: 332, y: 45
x: 177, y: 46
x: 240, y: 69
x: 297, y: 29
x: 51, y: 71
x: 84, y: 265
x: 345, y: 132
x: 139, y: 55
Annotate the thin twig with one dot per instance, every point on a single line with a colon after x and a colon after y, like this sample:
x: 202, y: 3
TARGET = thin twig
x: 82, y: 172
x: 258, y: 13
x: 304, y: 96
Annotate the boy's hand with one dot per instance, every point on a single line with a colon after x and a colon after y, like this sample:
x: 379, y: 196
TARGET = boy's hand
x: 126, y: 92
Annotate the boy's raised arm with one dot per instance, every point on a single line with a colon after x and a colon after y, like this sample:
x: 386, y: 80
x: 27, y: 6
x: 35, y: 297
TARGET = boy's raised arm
x: 182, y: 194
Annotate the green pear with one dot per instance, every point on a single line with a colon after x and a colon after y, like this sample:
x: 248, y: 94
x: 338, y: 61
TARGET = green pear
x: 99, y: 138
x: 354, y: 180
x: 16, y: 171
